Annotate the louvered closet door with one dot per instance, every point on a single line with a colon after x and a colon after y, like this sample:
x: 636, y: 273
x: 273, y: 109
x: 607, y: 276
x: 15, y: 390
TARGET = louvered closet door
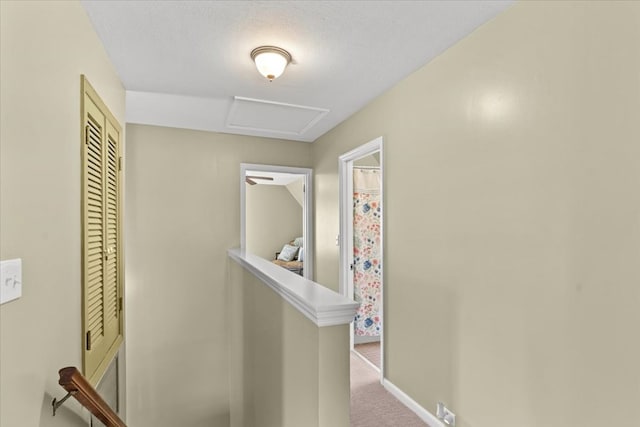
x: 101, y: 238
x: 112, y: 238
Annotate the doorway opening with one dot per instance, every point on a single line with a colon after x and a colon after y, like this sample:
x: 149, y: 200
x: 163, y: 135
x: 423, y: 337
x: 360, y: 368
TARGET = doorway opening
x: 362, y: 248
x: 276, y: 215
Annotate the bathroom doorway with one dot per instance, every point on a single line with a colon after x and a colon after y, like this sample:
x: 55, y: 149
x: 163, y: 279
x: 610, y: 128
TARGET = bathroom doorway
x: 362, y: 249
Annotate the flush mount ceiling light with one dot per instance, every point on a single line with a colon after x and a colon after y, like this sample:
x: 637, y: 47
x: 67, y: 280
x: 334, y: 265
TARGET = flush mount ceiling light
x: 270, y: 61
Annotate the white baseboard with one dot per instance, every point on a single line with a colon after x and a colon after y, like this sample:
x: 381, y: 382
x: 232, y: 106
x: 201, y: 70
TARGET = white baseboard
x: 424, y: 415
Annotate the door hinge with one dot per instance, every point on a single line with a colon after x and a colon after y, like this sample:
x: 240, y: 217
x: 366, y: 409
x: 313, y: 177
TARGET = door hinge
x: 86, y: 134
x: 120, y: 163
x: 88, y: 340
x: 120, y: 303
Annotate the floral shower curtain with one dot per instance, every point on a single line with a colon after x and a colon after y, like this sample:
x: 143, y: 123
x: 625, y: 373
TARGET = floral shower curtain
x: 367, y: 252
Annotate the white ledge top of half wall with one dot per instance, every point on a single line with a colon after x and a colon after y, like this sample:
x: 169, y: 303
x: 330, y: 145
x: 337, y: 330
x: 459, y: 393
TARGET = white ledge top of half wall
x: 319, y: 304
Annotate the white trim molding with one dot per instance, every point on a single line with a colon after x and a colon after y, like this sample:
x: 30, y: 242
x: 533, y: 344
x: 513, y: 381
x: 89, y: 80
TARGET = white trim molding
x: 407, y: 401
x: 319, y: 304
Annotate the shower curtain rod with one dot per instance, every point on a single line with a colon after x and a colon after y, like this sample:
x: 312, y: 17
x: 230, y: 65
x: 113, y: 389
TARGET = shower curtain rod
x: 366, y: 167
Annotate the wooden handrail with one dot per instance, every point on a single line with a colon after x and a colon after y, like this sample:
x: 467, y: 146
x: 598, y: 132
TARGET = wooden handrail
x: 72, y: 380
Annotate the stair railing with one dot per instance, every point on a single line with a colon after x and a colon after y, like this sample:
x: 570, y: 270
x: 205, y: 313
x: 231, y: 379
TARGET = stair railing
x: 77, y: 386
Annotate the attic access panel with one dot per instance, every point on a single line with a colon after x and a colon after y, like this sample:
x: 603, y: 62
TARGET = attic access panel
x: 274, y: 117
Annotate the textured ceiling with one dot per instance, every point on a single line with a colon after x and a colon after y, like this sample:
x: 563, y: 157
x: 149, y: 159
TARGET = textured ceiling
x: 183, y: 62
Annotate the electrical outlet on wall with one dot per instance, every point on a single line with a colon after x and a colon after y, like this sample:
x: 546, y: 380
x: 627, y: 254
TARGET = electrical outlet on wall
x: 443, y: 413
x: 10, y: 280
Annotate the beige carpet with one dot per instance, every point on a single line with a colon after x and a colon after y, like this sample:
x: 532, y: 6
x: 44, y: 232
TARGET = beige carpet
x: 370, y: 351
x: 371, y: 404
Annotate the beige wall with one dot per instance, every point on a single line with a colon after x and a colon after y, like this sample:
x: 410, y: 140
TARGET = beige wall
x: 512, y: 172
x: 372, y: 160
x: 296, y: 188
x: 273, y: 218
x: 285, y: 371
x: 182, y: 214
x: 44, y: 46
x: 512, y: 168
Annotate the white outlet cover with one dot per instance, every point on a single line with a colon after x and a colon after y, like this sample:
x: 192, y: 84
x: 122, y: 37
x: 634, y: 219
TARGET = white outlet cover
x: 10, y: 280
x: 443, y: 413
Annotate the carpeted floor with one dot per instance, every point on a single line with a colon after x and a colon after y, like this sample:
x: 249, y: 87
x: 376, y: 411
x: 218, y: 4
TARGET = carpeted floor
x: 370, y: 351
x: 371, y: 404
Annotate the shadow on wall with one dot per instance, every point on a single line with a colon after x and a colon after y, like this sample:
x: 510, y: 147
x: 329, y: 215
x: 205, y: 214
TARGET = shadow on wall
x: 257, y: 352
x: 71, y: 414
x: 275, y: 352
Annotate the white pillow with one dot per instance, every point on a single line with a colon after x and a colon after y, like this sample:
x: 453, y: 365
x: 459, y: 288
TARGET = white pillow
x: 288, y: 252
x: 301, y: 255
x: 298, y: 241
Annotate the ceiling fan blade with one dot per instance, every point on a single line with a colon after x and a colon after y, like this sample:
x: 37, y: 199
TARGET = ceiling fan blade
x: 268, y: 178
x: 250, y: 181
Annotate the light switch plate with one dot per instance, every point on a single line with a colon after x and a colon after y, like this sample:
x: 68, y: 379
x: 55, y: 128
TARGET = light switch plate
x: 10, y: 280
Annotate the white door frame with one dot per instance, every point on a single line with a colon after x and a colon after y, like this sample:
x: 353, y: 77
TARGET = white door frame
x: 345, y: 174
x: 307, y: 209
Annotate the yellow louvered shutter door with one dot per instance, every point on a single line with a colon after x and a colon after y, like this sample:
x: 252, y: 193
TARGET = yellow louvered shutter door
x: 112, y: 238
x: 93, y: 235
x: 101, y: 236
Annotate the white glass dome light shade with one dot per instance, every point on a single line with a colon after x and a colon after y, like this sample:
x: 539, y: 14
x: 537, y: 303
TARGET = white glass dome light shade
x: 270, y: 61
x: 271, y: 64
